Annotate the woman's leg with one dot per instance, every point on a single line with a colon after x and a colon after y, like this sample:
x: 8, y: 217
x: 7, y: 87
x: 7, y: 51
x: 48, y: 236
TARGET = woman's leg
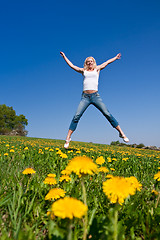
x: 121, y: 134
x: 83, y: 105
x: 98, y: 103
x: 69, y: 135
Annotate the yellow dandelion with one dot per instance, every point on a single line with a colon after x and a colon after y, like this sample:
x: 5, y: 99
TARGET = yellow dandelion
x: 78, y: 151
x: 81, y: 165
x: 70, y: 151
x: 26, y: 148
x: 133, y: 180
x: 55, y: 193
x: 51, y: 175
x: 65, y: 177
x: 100, y: 160
x: 68, y: 208
x: 63, y: 155
x: 109, y: 176
x: 103, y: 169
x: 118, y: 188
x: 157, y: 176
x: 51, y: 150
x: 112, y: 169
x: 65, y: 172
x: 5, y: 154
x: 155, y: 192
x: 28, y: 171
x: 12, y: 150
x: 50, y: 181
x: 109, y: 159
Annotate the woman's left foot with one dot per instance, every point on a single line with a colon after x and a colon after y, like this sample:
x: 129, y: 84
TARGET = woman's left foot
x: 66, y: 145
x: 125, y: 139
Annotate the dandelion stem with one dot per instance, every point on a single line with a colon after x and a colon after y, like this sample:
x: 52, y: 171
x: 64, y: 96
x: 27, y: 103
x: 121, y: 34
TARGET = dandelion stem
x: 157, y: 200
x: 28, y: 182
x: 115, y: 234
x: 69, y: 236
x: 86, y: 216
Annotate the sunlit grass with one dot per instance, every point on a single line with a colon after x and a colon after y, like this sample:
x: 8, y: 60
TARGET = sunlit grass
x: 26, y: 214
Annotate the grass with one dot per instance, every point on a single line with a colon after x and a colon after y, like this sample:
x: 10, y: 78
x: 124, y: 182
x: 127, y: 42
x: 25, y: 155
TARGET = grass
x: 22, y: 197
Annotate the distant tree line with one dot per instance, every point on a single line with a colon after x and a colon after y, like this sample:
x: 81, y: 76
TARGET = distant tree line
x: 10, y: 123
x: 117, y: 143
x: 141, y: 145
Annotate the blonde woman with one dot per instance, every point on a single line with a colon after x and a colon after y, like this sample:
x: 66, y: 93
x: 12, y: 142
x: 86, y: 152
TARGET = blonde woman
x: 90, y: 94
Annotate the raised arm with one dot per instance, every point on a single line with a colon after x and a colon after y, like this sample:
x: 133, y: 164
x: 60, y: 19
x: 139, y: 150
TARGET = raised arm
x: 77, y: 69
x: 103, y: 65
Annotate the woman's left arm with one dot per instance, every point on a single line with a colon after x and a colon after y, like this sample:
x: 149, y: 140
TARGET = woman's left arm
x: 103, y: 65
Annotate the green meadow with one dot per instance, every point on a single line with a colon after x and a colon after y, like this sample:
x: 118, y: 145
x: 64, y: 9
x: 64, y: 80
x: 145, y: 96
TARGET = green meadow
x: 26, y: 214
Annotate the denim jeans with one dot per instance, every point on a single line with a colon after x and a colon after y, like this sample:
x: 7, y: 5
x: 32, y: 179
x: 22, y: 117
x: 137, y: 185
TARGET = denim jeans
x: 86, y: 100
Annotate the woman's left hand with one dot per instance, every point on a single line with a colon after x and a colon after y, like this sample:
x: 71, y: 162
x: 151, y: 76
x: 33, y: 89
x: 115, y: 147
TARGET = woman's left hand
x: 118, y: 56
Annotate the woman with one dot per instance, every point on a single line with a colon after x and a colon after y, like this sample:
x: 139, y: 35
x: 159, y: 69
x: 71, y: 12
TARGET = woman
x: 90, y: 94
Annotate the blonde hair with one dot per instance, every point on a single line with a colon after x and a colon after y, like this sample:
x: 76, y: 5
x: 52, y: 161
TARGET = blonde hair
x: 85, y: 63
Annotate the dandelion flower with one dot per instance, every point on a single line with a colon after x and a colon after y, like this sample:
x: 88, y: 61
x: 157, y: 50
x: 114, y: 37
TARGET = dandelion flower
x: 51, y: 175
x: 12, y: 150
x: 155, y: 192
x: 133, y: 180
x: 55, y: 193
x: 118, y: 188
x: 50, y: 180
x: 63, y: 155
x: 112, y: 169
x: 103, y: 169
x: 28, y: 171
x: 157, y: 176
x: 5, y: 154
x: 65, y: 177
x: 81, y: 165
x: 65, y: 172
x: 51, y: 150
x: 68, y: 208
x: 100, y: 160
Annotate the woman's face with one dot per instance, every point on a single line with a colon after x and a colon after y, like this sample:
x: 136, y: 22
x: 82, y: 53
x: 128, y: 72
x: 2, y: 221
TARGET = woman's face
x: 89, y: 62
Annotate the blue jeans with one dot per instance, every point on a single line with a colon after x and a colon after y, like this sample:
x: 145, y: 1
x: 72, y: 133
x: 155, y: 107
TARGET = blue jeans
x: 86, y: 100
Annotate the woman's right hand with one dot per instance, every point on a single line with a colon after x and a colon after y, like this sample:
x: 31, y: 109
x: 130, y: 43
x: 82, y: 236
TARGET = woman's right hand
x: 62, y: 54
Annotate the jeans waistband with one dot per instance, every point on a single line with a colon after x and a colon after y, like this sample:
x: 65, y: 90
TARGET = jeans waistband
x: 89, y: 94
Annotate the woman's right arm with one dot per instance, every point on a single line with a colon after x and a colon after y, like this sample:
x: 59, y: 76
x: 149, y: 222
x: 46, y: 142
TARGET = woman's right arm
x: 77, y: 69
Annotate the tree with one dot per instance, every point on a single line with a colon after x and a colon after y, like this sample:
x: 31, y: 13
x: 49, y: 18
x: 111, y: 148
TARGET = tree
x: 10, y: 123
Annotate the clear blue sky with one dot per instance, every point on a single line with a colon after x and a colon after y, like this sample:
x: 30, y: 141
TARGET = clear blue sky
x: 36, y: 81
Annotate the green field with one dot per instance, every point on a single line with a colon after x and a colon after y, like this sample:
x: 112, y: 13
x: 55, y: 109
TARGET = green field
x: 25, y: 213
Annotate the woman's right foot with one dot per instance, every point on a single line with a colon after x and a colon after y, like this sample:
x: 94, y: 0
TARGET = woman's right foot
x: 66, y: 145
x: 125, y: 139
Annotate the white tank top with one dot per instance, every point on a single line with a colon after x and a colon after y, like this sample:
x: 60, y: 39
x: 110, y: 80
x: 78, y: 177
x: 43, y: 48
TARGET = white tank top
x: 90, y: 81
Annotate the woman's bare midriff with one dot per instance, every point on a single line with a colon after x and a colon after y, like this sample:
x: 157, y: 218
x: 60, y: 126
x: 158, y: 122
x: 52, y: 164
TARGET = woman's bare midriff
x: 90, y: 91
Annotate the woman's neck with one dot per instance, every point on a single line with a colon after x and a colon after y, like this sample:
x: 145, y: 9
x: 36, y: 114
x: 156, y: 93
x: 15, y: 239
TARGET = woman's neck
x: 90, y: 69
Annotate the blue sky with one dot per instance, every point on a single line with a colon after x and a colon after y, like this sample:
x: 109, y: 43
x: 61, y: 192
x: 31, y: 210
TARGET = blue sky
x: 36, y: 81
